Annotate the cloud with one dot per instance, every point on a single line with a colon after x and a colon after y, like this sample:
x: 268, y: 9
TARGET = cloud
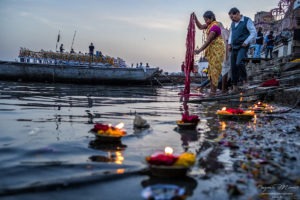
x: 24, y: 14
x: 36, y: 18
x: 160, y: 24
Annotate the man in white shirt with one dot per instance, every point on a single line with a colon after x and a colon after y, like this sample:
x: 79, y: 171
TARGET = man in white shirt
x: 242, y: 33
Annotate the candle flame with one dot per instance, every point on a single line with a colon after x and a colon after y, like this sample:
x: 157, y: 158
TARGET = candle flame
x: 120, y: 125
x: 223, y: 125
x: 224, y: 108
x: 119, y: 158
x: 241, y: 98
x: 120, y: 171
x: 168, y: 150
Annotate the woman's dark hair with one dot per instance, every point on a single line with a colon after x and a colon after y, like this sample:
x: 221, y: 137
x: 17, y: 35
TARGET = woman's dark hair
x: 209, y: 15
x: 233, y: 11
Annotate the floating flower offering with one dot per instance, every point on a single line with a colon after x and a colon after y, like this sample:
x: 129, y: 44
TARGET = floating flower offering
x: 235, y: 112
x: 188, y: 121
x: 262, y: 107
x: 109, y: 132
x: 169, y: 164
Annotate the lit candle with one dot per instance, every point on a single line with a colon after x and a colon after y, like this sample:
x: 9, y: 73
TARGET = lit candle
x: 120, y: 125
x: 168, y: 151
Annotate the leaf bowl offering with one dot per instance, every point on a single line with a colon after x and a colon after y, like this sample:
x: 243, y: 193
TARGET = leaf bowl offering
x: 186, y: 125
x: 188, y: 122
x: 108, y: 133
x: 168, y: 171
x: 231, y: 113
x: 107, y: 138
x: 170, y: 165
x: 262, y: 107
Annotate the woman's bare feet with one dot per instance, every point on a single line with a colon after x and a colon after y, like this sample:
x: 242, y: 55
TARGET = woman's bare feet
x: 200, y: 89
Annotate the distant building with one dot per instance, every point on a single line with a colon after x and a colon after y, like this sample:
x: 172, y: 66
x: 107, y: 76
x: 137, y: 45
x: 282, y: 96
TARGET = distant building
x: 284, y: 18
x: 264, y: 19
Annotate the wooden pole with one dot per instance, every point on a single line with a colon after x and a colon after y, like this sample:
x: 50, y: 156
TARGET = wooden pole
x: 73, y: 41
x: 57, y: 41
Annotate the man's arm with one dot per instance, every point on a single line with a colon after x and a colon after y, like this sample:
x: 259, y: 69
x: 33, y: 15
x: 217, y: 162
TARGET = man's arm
x: 229, y: 40
x: 251, y: 28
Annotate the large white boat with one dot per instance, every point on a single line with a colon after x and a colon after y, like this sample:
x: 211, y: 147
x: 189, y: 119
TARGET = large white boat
x: 67, y: 68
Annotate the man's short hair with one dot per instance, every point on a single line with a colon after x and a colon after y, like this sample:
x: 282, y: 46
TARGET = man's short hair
x: 233, y: 11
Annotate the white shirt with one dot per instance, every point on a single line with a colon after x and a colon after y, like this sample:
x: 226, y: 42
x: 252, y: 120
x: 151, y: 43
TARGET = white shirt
x: 251, y: 28
x: 296, y: 4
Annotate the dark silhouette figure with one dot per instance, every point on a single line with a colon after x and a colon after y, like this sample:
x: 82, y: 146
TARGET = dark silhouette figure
x: 269, y: 41
x: 91, y: 48
x: 61, y: 48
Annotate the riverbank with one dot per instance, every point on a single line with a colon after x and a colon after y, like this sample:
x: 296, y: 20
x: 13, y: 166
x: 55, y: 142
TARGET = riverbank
x: 260, y: 71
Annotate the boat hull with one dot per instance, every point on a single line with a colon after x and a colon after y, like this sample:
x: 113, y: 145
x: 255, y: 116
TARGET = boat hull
x: 74, y: 73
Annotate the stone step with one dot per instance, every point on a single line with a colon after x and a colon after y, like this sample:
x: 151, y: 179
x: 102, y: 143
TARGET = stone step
x: 289, y: 96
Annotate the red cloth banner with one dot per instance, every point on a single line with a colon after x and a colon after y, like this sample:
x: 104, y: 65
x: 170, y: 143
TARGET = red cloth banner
x: 189, y: 55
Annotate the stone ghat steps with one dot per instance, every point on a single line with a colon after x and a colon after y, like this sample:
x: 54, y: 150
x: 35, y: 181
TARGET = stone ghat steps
x: 288, y: 75
x: 266, y: 70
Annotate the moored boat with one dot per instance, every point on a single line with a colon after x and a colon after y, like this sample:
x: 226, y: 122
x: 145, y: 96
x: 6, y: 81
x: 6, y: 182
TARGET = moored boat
x: 37, y: 72
x: 56, y: 67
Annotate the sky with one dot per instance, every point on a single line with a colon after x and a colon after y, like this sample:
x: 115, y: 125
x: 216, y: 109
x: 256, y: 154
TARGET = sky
x: 147, y: 31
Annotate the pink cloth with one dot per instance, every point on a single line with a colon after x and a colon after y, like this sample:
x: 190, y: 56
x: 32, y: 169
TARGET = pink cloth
x: 216, y: 29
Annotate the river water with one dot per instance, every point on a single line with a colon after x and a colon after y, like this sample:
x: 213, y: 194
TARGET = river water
x: 48, y: 151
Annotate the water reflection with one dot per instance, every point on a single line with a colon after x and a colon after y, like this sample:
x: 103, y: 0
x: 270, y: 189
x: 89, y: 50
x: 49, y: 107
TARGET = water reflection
x: 223, y: 125
x: 210, y: 162
x: 115, y: 157
x: 114, y: 151
x: 187, y: 136
x: 151, y: 185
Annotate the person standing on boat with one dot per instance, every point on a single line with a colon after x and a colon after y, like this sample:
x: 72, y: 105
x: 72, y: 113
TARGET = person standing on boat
x: 242, y: 33
x: 91, y: 48
x: 61, y: 48
x: 214, y: 47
